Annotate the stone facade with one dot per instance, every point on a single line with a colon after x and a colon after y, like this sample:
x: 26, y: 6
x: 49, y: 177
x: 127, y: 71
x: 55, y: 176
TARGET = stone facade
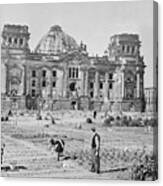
x: 60, y: 74
x: 151, y: 99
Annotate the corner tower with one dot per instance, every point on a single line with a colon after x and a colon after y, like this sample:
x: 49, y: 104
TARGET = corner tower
x: 124, y: 52
x: 15, y: 38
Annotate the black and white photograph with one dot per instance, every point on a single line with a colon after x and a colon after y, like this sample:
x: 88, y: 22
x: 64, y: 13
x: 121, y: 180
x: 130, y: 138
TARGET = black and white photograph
x: 79, y: 90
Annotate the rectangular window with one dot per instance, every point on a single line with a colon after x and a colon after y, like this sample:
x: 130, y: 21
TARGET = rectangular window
x: 91, y: 94
x: 43, y: 83
x: 101, y: 85
x: 133, y: 50
x: 15, y: 40
x: 91, y: 85
x: 69, y: 72
x: 33, y: 92
x: 54, y: 84
x: 110, y: 76
x: 123, y: 48
x: 128, y: 49
x: 10, y: 40
x: 73, y: 72
x: 54, y: 73
x: 110, y: 86
x: 21, y: 41
x: 33, y: 83
x: 33, y: 73
x: 44, y: 73
x: 77, y: 73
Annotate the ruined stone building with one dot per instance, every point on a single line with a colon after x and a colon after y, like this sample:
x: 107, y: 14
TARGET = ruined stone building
x: 60, y: 74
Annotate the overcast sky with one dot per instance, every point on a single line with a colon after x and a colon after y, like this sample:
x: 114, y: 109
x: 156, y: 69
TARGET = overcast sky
x: 93, y: 23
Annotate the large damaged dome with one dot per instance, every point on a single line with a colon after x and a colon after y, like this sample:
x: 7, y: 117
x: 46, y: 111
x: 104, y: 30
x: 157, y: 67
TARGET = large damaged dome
x: 56, y: 42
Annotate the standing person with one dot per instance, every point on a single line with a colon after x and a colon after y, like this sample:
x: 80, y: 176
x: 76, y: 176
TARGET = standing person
x: 94, y: 114
x: 95, y: 147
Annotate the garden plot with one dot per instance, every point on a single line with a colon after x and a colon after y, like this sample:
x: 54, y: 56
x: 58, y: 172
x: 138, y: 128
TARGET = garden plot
x: 26, y: 141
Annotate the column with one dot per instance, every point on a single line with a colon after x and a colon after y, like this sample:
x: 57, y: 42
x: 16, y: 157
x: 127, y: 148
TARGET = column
x: 122, y: 83
x: 65, y: 82
x: 7, y: 81
x: 82, y: 82
x: 125, y: 48
x: 86, y: 83
x: 51, y: 81
x: 142, y: 84
x: 3, y: 78
x: 21, y: 84
x: 96, y: 85
x: 28, y: 78
x: 24, y: 81
x: 106, y: 88
x: 39, y: 78
x: 138, y: 84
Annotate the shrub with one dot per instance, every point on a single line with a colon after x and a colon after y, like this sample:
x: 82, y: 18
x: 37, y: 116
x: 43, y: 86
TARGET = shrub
x: 117, y: 123
x: 145, y: 169
x: 124, y: 121
x: 150, y: 122
x: 39, y: 117
x: 6, y: 119
x: 111, y: 118
x: 89, y: 120
x: 153, y: 122
x: 78, y: 126
x: 107, y: 122
x: 118, y: 118
x: 135, y: 123
x: 2, y: 118
x: 21, y: 114
x: 10, y: 113
x: 53, y: 120
x: 46, y: 118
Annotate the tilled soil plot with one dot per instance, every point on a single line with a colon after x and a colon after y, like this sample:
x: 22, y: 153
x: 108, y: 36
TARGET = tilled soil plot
x: 27, y: 153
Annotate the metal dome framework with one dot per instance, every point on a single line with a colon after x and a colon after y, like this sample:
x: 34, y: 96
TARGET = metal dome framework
x: 56, y: 42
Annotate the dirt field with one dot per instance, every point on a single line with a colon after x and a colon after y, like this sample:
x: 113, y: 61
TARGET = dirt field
x: 26, y: 149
